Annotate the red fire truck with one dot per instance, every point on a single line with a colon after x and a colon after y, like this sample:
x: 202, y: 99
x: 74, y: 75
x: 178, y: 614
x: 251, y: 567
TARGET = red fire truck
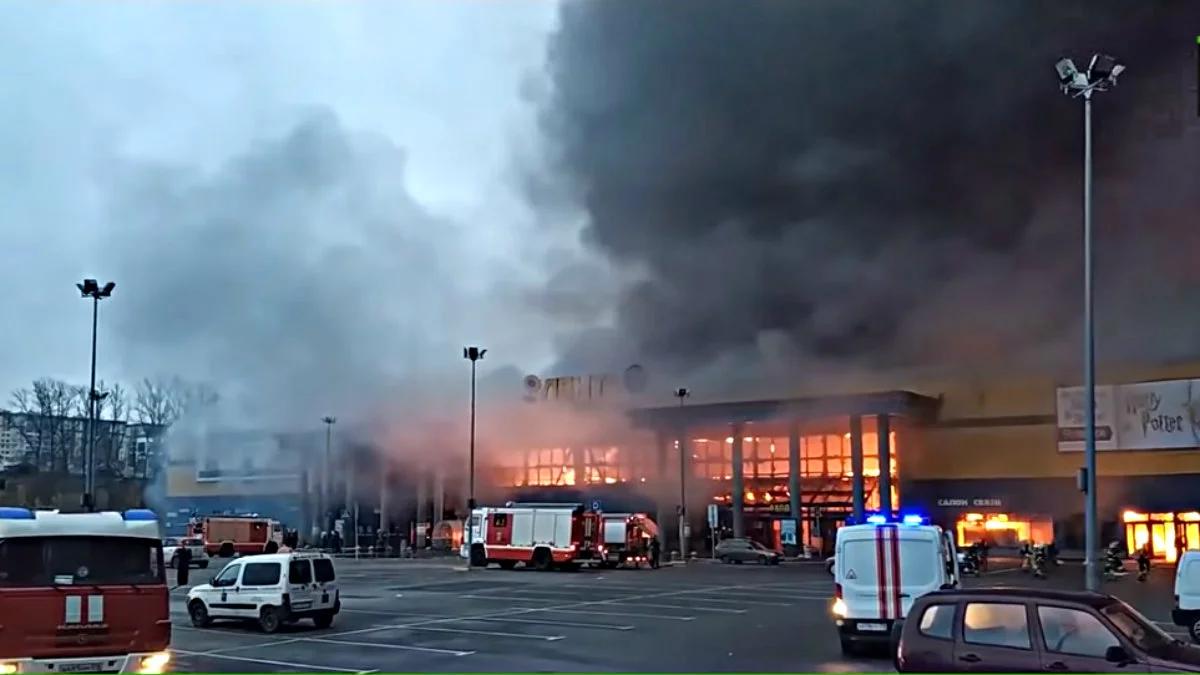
x: 225, y: 536
x: 542, y: 536
x: 82, y: 592
x: 626, y: 539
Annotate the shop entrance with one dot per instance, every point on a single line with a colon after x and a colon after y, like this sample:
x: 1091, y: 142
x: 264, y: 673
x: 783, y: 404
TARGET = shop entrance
x: 1003, y: 530
x: 1161, y: 531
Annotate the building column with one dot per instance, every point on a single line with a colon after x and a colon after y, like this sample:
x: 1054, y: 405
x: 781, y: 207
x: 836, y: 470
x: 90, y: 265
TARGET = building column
x: 385, y: 521
x: 681, y: 443
x: 439, y: 493
x: 856, y: 467
x: 883, y: 429
x: 794, y: 482
x: 663, y: 512
x: 737, y: 495
x: 422, y: 508
x: 579, y: 465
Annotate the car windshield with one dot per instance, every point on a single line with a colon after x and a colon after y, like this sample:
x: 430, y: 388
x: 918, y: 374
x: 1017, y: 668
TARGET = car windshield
x: 757, y: 545
x: 1140, y: 631
x: 46, y: 561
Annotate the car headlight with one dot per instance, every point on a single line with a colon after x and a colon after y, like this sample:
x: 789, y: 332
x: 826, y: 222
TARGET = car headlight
x: 155, y: 663
x: 8, y: 668
x: 839, y: 607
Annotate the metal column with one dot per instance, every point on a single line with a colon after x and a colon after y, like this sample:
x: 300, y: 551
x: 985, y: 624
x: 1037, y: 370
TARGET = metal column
x: 422, y: 509
x: 662, y: 514
x: 794, y: 470
x: 739, y: 488
x: 856, y: 467
x: 883, y: 431
x: 681, y: 443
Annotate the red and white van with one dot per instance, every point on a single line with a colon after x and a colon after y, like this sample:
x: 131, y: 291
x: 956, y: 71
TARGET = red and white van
x: 82, y: 593
x: 542, y: 536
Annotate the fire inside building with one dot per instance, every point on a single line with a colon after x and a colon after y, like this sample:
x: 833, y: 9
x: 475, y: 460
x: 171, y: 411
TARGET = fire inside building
x: 990, y: 458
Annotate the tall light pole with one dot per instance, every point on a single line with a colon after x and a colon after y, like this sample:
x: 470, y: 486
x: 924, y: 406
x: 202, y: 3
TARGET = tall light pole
x: 682, y: 394
x: 1101, y: 75
x: 472, y: 354
x: 327, y: 472
x: 90, y: 289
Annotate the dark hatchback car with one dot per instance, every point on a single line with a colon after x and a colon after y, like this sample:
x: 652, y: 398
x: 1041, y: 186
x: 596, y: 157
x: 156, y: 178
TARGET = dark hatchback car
x: 990, y: 630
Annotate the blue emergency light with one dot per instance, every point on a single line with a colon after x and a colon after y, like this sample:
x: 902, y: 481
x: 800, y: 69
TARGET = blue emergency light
x: 913, y: 519
x: 877, y: 519
x: 139, y: 514
x: 16, y: 513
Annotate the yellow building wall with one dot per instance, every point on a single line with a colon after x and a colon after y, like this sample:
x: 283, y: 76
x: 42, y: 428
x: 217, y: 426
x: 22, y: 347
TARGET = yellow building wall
x: 966, y: 443
x: 181, y: 482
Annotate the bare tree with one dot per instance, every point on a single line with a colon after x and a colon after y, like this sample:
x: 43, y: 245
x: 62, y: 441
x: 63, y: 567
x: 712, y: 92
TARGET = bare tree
x: 158, y: 402
x: 48, y: 425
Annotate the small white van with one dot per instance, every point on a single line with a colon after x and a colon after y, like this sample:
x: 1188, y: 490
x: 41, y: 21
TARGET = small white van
x: 271, y: 590
x: 1187, y: 594
x: 880, y: 568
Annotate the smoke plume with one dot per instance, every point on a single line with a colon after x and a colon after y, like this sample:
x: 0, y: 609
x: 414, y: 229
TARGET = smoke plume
x: 793, y: 185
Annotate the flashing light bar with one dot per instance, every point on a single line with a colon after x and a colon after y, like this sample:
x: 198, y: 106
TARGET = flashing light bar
x: 913, y: 519
x: 876, y: 519
x: 139, y: 514
x: 16, y: 513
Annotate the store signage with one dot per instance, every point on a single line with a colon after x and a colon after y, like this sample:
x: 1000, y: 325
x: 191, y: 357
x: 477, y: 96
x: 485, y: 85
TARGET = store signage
x: 584, y: 387
x: 961, y: 502
x: 1143, y: 416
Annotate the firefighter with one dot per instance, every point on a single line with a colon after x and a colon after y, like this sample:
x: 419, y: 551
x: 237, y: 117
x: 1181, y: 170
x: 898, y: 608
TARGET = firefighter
x: 655, y: 551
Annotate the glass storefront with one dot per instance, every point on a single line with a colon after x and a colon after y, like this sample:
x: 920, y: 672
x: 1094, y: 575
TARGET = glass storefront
x: 1162, y: 531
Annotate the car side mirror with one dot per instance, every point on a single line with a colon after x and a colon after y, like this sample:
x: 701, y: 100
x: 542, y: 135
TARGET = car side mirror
x: 181, y: 575
x: 1117, y: 654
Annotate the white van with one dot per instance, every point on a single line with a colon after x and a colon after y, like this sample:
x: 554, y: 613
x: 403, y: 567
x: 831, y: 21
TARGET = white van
x: 879, y: 570
x: 272, y: 590
x: 1187, y: 594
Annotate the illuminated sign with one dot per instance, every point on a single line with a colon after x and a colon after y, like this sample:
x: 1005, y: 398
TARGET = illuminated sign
x: 584, y: 387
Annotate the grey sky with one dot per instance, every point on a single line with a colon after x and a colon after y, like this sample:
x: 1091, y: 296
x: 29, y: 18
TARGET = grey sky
x: 309, y: 204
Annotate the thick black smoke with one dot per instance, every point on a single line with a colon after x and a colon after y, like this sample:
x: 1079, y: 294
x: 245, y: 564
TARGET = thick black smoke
x: 876, y: 181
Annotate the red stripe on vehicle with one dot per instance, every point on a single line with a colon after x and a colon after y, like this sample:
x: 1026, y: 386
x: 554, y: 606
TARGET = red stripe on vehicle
x: 881, y: 572
x: 896, y: 585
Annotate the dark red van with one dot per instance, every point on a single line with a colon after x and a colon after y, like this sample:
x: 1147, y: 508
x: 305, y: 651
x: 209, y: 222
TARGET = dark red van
x: 1027, y: 630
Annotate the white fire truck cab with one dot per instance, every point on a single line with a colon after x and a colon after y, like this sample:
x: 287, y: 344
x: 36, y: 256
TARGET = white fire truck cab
x: 880, y: 568
x: 82, y: 592
x: 542, y: 536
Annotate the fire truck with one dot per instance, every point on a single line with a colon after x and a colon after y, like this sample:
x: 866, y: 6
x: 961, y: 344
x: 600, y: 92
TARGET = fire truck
x: 82, y: 592
x: 626, y: 539
x: 542, y: 536
x: 225, y: 536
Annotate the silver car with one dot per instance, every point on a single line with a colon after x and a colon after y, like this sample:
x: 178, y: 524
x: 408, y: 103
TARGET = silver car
x: 746, y: 550
x: 195, y: 546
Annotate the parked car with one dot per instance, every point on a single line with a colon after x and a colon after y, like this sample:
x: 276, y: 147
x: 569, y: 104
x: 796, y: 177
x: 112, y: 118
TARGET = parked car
x: 195, y: 546
x: 1035, y: 630
x: 272, y: 590
x: 1187, y: 594
x: 746, y: 550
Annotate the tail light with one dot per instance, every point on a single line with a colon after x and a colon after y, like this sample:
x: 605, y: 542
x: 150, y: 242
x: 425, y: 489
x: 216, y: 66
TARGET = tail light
x: 287, y: 601
x: 837, y: 591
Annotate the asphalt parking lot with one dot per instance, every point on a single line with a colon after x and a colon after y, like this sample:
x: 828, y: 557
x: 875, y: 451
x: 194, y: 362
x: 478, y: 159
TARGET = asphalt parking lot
x: 433, y: 616
x: 403, y: 615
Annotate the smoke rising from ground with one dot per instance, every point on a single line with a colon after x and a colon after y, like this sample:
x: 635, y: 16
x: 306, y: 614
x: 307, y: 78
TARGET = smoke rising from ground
x: 792, y: 186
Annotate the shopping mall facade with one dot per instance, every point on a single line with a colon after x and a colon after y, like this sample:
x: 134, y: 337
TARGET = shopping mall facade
x: 990, y: 457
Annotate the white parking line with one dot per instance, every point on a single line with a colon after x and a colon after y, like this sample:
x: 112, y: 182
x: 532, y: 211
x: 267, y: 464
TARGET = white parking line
x: 524, y: 636
x: 721, y: 610
x: 285, y: 664
x: 552, y: 622
x: 592, y: 612
x: 739, y: 601
x: 412, y: 648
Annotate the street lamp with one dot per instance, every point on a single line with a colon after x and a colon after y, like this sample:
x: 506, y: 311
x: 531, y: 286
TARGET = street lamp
x: 1101, y: 75
x: 327, y: 473
x: 682, y: 394
x: 472, y: 354
x: 90, y: 289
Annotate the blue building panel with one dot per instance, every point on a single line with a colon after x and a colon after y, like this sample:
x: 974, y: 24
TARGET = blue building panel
x: 176, y: 511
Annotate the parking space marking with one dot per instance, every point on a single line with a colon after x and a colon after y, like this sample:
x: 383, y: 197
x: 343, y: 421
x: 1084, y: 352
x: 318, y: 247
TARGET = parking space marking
x: 492, y: 633
x: 642, y: 615
x: 552, y: 622
x: 720, y: 610
x: 526, y: 591
x: 738, y: 601
x: 269, y: 662
x: 411, y: 648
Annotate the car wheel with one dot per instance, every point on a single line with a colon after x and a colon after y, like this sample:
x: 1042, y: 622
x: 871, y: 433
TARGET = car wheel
x: 762, y: 560
x: 175, y: 561
x: 1194, y: 630
x: 725, y: 559
x: 323, y: 620
x: 226, y: 550
x: 269, y: 619
x: 199, y: 614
